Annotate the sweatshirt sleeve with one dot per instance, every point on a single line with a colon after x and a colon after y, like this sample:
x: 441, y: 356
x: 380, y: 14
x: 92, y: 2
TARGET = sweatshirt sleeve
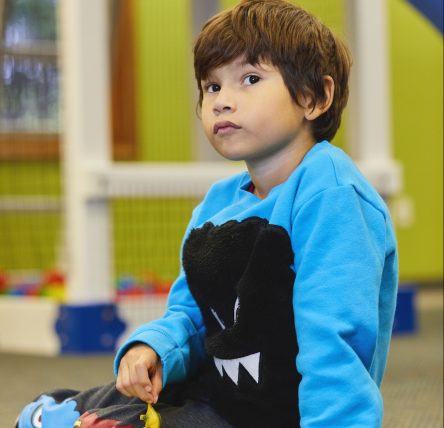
x: 177, y: 337
x: 339, y: 246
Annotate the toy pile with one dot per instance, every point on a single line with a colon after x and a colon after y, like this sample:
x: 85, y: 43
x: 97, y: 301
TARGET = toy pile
x: 33, y: 284
x: 51, y: 284
x: 150, y: 284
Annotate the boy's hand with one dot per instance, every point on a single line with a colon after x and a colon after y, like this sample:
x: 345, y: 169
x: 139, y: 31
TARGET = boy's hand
x: 140, y: 374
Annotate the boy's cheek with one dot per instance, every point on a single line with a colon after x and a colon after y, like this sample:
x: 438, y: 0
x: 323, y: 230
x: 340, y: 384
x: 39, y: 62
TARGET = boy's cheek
x: 207, y: 124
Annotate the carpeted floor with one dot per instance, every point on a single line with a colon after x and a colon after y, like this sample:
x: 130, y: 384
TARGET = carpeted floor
x: 412, y: 389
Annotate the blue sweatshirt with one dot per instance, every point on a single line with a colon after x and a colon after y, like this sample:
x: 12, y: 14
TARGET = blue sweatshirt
x: 343, y: 282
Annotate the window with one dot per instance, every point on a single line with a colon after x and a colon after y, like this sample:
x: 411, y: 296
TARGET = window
x: 29, y: 80
x: 29, y: 120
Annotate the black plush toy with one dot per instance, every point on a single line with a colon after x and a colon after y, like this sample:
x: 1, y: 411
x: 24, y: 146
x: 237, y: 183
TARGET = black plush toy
x: 241, y: 277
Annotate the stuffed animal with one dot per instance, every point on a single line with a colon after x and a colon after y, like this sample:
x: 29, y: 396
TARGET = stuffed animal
x: 241, y: 276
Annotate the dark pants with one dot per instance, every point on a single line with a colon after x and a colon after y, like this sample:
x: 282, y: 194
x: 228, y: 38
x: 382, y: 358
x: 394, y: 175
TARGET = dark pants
x: 62, y: 408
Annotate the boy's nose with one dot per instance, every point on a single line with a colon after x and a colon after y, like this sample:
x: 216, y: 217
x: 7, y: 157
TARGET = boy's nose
x: 224, y: 103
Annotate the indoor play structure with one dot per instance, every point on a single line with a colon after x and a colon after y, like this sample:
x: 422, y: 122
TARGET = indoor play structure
x: 87, y: 300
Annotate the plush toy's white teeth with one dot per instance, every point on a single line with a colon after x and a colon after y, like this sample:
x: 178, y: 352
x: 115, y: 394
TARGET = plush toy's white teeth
x: 231, y: 367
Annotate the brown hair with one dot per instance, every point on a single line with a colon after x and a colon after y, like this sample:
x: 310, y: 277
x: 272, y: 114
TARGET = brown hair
x: 298, y: 44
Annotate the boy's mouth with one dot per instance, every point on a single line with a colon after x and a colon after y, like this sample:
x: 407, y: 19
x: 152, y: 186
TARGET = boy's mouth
x: 224, y: 127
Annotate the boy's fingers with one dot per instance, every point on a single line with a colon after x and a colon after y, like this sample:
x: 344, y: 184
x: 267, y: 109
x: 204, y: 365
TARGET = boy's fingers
x: 142, y: 376
x: 156, y: 381
x: 142, y: 394
x: 137, y: 372
x: 141, y: 382
x: 123, y: 381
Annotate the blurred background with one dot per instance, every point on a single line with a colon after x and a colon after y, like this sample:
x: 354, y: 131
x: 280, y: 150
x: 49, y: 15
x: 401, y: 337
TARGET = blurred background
x: 102, y: 160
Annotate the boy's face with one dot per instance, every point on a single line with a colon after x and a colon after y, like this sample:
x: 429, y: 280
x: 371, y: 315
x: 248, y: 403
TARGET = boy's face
x: 248, y: 113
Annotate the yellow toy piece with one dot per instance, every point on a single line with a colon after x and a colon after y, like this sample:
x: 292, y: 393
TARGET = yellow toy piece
x: 151, y: 418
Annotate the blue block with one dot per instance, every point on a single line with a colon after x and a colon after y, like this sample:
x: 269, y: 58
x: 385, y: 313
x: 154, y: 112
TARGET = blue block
x: 432, y: 10
x: 405, y: 315
x: 88, y: 328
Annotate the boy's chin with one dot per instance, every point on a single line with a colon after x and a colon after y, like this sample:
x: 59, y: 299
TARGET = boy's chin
x: 233, y: 158
x: 236, y: 157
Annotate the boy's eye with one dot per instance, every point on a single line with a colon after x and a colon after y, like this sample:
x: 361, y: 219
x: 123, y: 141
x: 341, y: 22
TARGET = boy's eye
x: 212, y: 87
x: 251, y: 79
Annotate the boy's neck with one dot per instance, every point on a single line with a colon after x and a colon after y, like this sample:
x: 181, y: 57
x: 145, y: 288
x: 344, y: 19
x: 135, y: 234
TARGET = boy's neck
x: 267, y: 174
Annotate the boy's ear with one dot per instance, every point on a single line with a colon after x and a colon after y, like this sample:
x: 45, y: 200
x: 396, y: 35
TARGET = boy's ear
x: 312, y: 112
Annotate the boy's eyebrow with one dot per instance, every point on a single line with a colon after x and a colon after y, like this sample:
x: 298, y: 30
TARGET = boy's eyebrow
x: 260, y: 65
x: 207, y: 78
x: 245, y: 64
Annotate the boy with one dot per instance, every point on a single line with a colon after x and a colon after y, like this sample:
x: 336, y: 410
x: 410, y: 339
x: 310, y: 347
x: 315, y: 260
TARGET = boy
x: 282, y: 313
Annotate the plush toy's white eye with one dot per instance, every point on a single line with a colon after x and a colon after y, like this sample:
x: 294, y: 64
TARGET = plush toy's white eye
x: 236, y: 307
x: 217, y: 318
x: 36, y: 418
